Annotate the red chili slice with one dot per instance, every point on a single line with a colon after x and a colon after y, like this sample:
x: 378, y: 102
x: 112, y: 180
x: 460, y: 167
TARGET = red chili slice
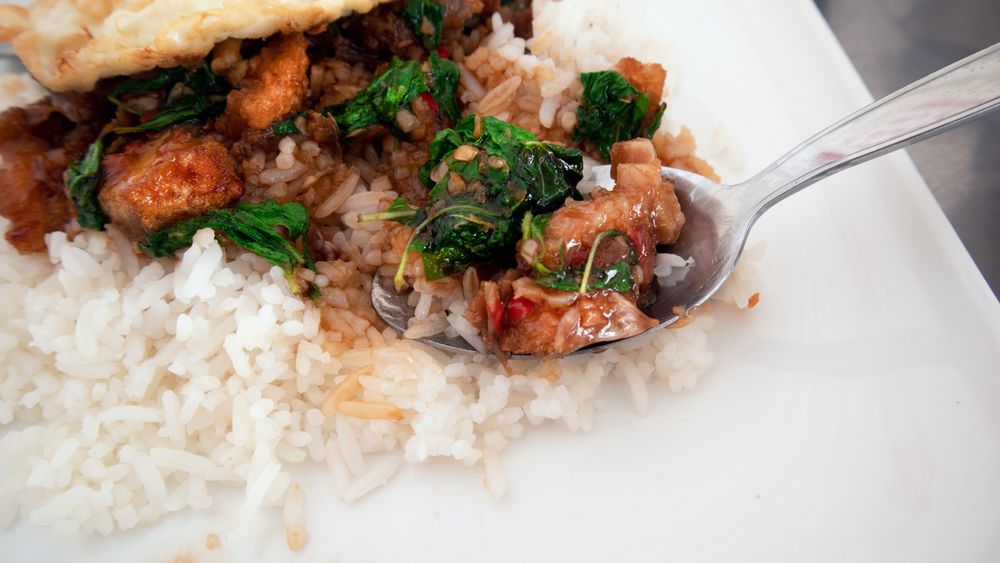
x: 442, y: 52
x: 430, y: 101
x: 519, y: 308
x: 148, y: 115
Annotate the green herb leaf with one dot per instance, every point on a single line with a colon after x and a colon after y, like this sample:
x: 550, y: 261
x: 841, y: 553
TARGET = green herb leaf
x: 456, y: 231
x: 519, y: 170
x: 381, y: 100
x: 443, y: 78
x: 287, y: 125
x: 83, y: 181
x: 203, y: 82
x: 510, y: 175
x: 498, y: 138
x: 654, y: 125
x: 188, y: 108
x: 548, y: 172
x: 251, y: 226
x: 612, y: 110
x: 396, y: 88
x: 207, y: 98
x: 164, y: 80
x: 424, y: 17
x: 617, y: 277
x: 533, y: 226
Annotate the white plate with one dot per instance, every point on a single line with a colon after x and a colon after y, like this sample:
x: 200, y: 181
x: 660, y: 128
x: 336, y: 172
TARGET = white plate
x: 853, y: 416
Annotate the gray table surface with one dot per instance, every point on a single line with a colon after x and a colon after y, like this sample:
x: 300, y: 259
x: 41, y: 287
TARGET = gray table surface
x: 894, y: 42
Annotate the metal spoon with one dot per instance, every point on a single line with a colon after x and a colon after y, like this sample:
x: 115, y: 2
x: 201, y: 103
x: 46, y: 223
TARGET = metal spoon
x: 719, y: 217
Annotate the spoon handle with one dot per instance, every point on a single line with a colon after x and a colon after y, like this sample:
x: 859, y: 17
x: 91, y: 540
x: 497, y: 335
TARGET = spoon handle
x: 951, y: 96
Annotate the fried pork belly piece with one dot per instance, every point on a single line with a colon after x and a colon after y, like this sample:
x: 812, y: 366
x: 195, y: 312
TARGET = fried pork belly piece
x: 642, y: 205
x: 177, y: 175
x: 635, y: 164
x: 33, y: 206
x: 37, y: 143
x: 675, y: 151
x: 276, y: 86
x: 458, y: 13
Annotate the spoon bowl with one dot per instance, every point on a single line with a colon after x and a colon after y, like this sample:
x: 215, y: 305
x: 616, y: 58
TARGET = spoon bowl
x: 719, y: 217
x: 712, y: 236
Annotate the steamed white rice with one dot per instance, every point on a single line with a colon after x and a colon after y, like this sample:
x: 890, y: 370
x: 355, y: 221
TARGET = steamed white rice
x: 135, y: 385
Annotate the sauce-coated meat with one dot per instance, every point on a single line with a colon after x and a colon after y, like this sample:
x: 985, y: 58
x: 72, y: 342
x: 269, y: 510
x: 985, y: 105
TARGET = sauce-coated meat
x: 642, y: 205
x: 177, y: 175
x: 33, y: 205
x: 37, y: 143
x: 635, y: 166
x: 378, y: 33
x: 381, y: 33
x: 523, y: 317
x: 275, y: 87
x: 647, y: 78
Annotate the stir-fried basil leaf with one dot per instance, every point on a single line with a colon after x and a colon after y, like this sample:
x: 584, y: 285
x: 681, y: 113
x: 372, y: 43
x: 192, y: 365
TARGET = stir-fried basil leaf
x: 492, y: 175
x: 549, y: 172
x: 203, y: 82
x: 617, y: 277
x: 533, y: 226
x: 443, y: 78
x: 287, y: 125
x: 185, y: 109
x: 204, y: 96
x: 162, y: 81
x: 499, y: 139
x: 83, y: 180
x: 382, y: 99
x: 424, y: 17
x: 314, y: 291
x: 654, y: 124
x: 462, y: 231
x: 394, y: 89
x: 251, y: 226
x: 512, y: 164
x: 167, y: 241
x: 612, y: 110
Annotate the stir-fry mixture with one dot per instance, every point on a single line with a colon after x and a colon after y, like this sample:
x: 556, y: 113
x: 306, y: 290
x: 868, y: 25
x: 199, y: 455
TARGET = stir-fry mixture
x: 257, y: 142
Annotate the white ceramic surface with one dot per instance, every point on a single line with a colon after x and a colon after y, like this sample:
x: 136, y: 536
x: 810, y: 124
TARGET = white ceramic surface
x: 854, y: 415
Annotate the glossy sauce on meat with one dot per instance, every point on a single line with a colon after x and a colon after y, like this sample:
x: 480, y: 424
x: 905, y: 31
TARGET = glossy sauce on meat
x: 522, y: 317
x: 642, y: 205
x: 179, y: 174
